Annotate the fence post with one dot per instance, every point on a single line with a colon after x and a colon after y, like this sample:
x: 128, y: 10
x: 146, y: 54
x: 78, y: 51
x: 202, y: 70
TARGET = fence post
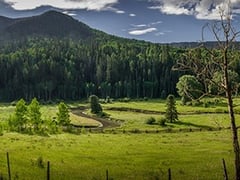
x: 106, y: 174
x: 169, y: 174
x: 225, y: 170
x: 9, y: 170
x: 1, y: 176
x: 48, y: 170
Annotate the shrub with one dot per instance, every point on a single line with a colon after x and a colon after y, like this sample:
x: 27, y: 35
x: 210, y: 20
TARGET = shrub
x: 40, y: 162
x: 103, y: 115
x: 108, y: 100
x: 150, y: 120
x: 95, y: 105
x: 145, y: 98
x: 126, y: 99
x: 135, y: 131
x: 162, y: 122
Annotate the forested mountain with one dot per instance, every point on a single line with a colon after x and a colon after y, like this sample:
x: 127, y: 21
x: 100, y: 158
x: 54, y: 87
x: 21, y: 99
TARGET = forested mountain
x: 53, y: 56
x: 49, y: 24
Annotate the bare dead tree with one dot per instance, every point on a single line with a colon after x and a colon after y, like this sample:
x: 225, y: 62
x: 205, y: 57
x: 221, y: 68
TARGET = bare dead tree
x: 217, y: 60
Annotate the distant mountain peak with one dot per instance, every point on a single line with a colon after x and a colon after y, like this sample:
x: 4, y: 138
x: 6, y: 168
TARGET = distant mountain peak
x: 51, y: 24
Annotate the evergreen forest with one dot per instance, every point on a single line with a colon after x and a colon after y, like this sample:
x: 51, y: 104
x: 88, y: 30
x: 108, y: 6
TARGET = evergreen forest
x: 52, y: 68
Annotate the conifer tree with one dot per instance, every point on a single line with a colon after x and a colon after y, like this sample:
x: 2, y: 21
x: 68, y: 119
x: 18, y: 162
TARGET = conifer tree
x: 171, y: 111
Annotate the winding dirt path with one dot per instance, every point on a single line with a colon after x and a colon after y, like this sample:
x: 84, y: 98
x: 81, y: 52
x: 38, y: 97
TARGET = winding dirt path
x: 105, y: 123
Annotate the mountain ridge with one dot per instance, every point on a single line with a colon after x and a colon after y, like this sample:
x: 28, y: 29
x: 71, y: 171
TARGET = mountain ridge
x: 55, y: 24
x: 50, y: 24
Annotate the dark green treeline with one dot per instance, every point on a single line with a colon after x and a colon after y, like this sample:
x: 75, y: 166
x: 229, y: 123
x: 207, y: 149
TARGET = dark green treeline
x: 65, y: 69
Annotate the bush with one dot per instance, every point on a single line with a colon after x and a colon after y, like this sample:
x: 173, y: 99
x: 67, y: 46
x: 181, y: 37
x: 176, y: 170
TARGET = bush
x: 40, y: 162
x: 108, y: 100
x: 13, y: 103
x: 151, y: 121
x: 145, y: 98
x: 126, y: 99
x: 94, y: 104
x: 1, y: 130
x: 162, y: 122
x: 196, y: 103
x: 103, y: 115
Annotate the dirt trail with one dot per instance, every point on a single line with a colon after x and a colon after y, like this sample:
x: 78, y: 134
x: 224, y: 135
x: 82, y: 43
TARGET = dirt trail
x: 105, y: 123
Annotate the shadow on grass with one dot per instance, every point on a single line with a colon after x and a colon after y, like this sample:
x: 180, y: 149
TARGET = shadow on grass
x: 193, y: 125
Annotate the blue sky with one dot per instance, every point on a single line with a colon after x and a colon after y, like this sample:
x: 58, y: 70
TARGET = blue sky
x: 151, y: 20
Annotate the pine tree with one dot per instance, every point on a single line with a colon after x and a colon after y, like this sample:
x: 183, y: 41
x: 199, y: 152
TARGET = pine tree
x: 171, y: 111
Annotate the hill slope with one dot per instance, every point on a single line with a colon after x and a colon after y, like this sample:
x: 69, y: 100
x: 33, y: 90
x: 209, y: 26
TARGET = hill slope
x: 49, y: 24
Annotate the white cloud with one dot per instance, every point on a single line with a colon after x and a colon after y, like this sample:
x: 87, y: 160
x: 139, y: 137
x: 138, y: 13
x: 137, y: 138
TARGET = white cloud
x: 201, y: 9
x: 132, y: 15
x: 109, y: 8
x: 139, y: 25
x: 160, y: 33
x: 157, y: 22
x: 69, y: 13
x: 120, y: 12
x: 142, y: 31
x: 62, y: 4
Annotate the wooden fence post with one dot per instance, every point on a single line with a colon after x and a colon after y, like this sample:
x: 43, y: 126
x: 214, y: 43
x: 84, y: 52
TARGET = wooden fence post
x: 106, y: 174
x: 48, y: 170
x: 225, y: 170
x: 169, y: 174
x: 8, y: 164
x: 1, y: 177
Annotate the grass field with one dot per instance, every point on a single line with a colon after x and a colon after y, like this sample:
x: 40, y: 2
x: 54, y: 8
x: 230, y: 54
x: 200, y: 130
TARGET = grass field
x: 190, y: 155
x: 126, y: 156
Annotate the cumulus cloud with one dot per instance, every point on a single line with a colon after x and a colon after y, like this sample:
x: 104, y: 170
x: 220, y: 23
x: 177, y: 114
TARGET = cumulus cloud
x: 201, y: 9
x: 62, y: 4
x: 142, y: 31
x: 132, y: 15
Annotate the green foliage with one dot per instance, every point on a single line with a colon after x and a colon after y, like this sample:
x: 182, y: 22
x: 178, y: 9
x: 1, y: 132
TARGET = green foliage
x: 40, y: 162
x: 126, y: 99
x: 103, y: 114
x: 95, y: 105
x: 171, y: 111
x: 151, y: 121
x: 162, y: 122
x: 63, y: 117
x: 19, y: 120
x: 189, y: 88
x: 216, y: 87
x: 74, y: 70
x: 34, y: 114
x: 27, y: 119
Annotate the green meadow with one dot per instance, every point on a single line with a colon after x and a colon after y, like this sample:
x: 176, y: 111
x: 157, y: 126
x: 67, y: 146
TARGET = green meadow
x: 126, y: 155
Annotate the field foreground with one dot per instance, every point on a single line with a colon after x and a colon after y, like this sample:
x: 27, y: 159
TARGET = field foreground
x: 196, y: 155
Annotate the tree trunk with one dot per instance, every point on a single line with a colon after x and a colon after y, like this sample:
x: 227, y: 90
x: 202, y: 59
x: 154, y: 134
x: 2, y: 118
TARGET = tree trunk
x: 232, y: 118
x: 234, y: 136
